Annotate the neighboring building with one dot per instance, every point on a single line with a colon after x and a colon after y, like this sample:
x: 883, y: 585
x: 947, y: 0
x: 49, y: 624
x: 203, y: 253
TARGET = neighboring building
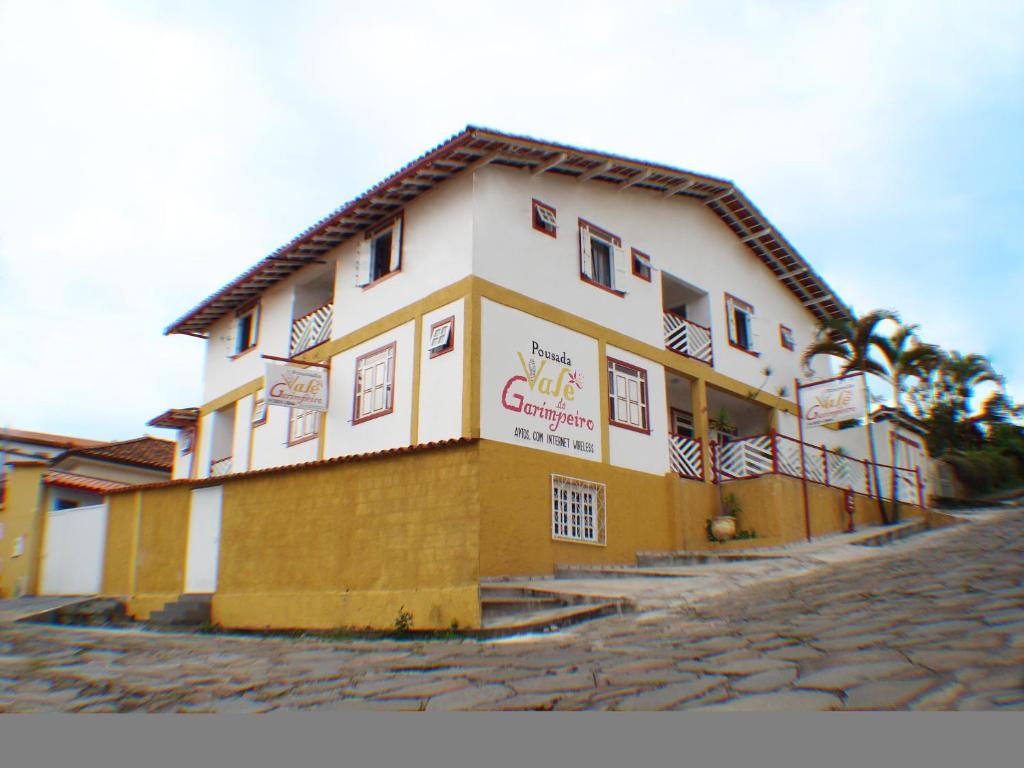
x: 183, y: 421
x: 53, y: 519
x: 576, y: 330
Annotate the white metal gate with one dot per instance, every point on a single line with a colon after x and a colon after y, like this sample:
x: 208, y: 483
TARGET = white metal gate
x: 73, y: 550
x: 203, y: 539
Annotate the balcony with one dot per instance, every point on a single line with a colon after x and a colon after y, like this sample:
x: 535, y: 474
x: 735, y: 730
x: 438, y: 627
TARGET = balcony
x: 219, y: 467
x: 775, y: 454
x: 311, y: 329
x: 688, y: 338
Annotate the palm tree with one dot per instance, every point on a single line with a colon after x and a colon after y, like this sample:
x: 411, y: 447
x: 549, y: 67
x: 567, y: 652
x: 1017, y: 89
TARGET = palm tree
x: 961, y: 374
x: 906, y: 358
x: 852, y: 340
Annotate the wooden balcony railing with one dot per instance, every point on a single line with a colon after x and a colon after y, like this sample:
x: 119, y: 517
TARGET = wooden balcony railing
x: 686, y: 456
x: 773, y: 453
x: 220, y: 467
x: 688, y: 338
x: 312, y: 329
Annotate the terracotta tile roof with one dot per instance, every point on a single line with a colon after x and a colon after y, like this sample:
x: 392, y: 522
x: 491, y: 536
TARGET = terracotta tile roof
x: 82, y: 483
x: 175, y: 418
x: 142, y: 451
x: 45, y: 438
x: 308, y: 464
x: 474, y: 147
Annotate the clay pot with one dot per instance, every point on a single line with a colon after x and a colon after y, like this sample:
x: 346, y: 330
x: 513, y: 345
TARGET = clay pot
x: 723, y: 527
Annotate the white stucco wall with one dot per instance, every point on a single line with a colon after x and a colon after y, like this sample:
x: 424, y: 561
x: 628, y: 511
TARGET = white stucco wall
x: 440, y: 395
x: 392, y: 430
x: 204, y: 446
x: 636, y: 450
x: 682, y: 237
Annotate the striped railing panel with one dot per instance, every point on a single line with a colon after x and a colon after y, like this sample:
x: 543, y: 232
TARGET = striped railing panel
x: 312, y: 329
x: 686, y: 456
x: 687, y: 338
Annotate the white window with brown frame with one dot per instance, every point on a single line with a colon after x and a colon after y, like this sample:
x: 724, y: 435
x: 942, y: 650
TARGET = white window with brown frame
x: 682, y: 423
x: 374, y: 385
x: 641, y: 264
x: 442, y: 337
x: 380, y: 253
x: 259, y: 410
x: 786, y: 338
x: 602, y: 259
x: 302, y: 425
x: 627, y: 396
x: 544, y: 218
x: 246, y: 330
x: 742, y: 324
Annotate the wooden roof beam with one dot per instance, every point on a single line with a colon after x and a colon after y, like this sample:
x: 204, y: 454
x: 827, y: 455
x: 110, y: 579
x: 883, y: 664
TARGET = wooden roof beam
x: 819, y: 300
x: 720, y: 197
x: 757, y: 235
x: 792, y: 273
x: 550, y: 163
x: 640, y: 177
x: 679, y: 186
x: 595, y: 171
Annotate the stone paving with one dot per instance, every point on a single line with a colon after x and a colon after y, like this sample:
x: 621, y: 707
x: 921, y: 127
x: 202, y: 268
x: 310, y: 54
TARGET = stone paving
x: 934, y: 623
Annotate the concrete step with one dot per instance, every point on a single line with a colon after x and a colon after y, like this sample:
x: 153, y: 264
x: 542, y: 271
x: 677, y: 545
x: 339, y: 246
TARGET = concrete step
x: 494, y: 607
x: 547, y: 620
x: 620, y: 572
x: 93, y: 612
x: 891, y: 533
x: 187, y: 611
x: 646, y: 559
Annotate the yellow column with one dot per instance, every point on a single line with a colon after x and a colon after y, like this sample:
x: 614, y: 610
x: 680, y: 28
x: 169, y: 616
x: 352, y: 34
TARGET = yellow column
x: 471, y: 365
x: 417, y: 353
x: 602, y: 375
x: 699, y: 408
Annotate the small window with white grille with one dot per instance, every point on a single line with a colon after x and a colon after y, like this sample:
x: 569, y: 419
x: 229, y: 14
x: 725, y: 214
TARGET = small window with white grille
x: 302, y: 425
x: 442, y: 337
x: 544, y: 219
x: 577, y: 510
x: 627, y: 395
x: 375, y: 376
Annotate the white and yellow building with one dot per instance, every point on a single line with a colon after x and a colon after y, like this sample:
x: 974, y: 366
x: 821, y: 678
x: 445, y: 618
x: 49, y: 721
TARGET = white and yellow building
x: 533, y: 351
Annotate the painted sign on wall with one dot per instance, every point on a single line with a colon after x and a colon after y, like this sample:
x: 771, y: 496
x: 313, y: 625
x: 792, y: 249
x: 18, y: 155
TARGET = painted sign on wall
x: 296, y: 387
x: 539, y: 384
x: 833, y: 400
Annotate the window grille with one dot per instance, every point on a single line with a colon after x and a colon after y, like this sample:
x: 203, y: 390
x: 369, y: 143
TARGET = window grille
x: 577, y: 510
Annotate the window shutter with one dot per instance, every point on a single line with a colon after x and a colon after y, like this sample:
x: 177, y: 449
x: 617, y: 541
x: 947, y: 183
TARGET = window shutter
x: 730, y: 312
x: 363, y: 263
x: 586, y: 261
x: 621, y: 268
x: 753, y: 332
x: 228, y: 342
x: 396, y: 246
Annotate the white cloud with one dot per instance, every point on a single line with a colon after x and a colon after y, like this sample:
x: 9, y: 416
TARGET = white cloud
x: 150, y: 157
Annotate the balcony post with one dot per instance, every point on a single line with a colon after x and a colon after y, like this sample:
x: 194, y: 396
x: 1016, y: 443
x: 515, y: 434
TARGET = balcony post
x: 699, y: 409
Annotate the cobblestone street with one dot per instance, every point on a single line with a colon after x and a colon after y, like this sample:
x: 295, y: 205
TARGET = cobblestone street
x: 935, y: 623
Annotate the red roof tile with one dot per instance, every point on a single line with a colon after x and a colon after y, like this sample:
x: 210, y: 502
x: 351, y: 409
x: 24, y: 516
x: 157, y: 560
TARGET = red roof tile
x: 82, y: 483
x: 45, y: 438
x: 142, y: 451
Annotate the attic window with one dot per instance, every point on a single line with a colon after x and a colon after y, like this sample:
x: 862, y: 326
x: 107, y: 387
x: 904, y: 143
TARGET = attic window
x: 786, y: 337
x: 544, y: 219
x: 442, y: 337
x: 246, y: 329
x: 641, y: 265
x: 380, y: 254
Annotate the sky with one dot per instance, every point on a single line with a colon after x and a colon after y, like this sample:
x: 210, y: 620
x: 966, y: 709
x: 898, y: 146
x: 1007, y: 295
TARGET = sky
x: 150, y: 152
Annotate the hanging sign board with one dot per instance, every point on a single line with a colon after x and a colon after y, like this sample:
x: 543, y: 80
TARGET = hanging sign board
x: 295, y: 387
x: 833, y: 400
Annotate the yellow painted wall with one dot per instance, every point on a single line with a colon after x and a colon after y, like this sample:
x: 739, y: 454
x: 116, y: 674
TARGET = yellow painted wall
x: 335, y: 546
x: 21, y: 517
x: 773, y: 506
x: 349, y: 545
x: 515, y: 512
